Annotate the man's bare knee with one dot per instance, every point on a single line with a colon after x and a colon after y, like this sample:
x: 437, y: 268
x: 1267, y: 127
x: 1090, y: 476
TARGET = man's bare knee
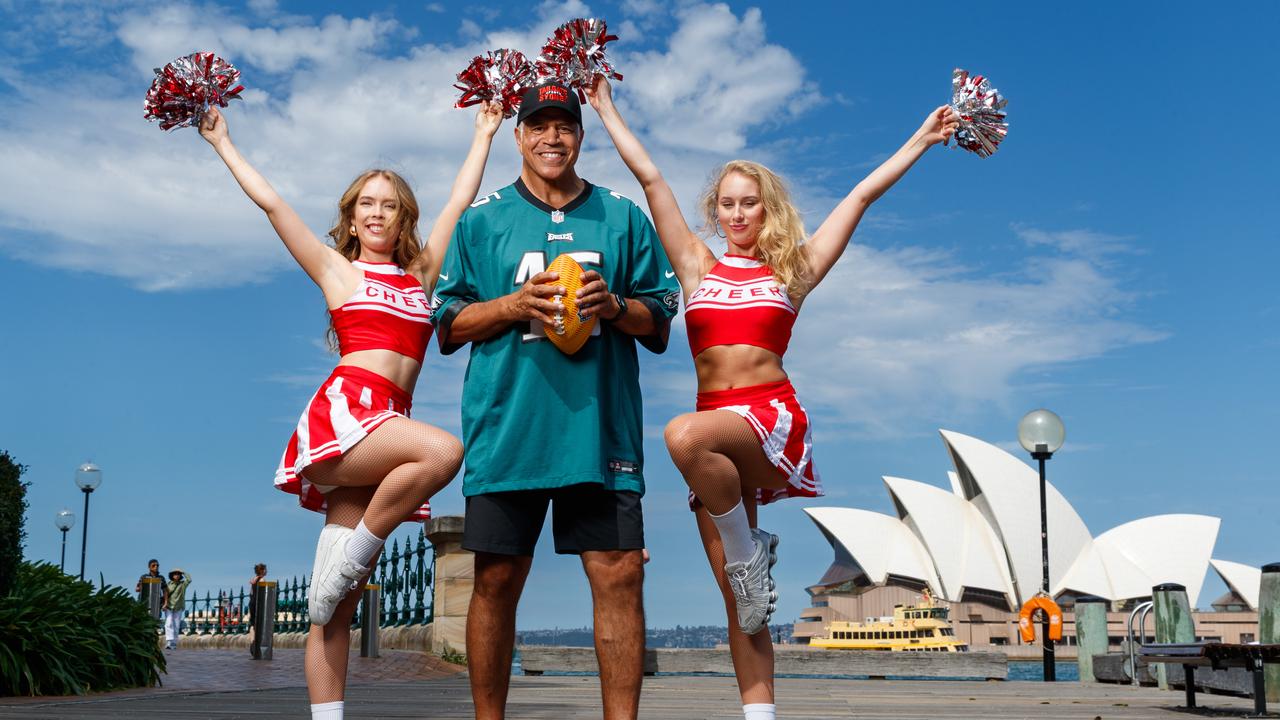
x: 500, y: 577
x: 615, y: 573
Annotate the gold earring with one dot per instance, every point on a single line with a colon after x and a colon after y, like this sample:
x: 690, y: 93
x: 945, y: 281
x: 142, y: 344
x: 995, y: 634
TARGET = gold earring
x: 353, y: 229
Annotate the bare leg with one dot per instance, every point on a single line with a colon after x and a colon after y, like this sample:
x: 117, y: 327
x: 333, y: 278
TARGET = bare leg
x: 752, y: 654
x: 617, y: 579
x: 491, y: 629
x: 407, y: 460
x: 329, y: 646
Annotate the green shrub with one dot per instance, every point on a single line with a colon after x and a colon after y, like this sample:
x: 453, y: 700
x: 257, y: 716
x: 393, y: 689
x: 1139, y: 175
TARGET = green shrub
x: 60, y: 637
x: 13, y: 508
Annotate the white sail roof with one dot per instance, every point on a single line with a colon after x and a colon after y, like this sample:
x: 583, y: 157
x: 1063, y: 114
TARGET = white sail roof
x: 881, y: 545
x: 1007, y: 491
x: 984, y: 536
x: 1244, y: 580
x: 966, y: 552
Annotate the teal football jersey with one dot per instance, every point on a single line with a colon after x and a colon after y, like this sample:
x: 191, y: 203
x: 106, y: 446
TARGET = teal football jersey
x: 533, y: 417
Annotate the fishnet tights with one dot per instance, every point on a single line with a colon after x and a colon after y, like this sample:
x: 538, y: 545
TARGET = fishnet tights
x: 381, y: 480
x: 723, y: 463
x: 329, y: 646
x: 720, y: 458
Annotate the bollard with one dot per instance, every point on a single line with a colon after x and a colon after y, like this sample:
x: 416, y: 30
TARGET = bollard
x: 370, y: 609
x: 264, y: 617
x: 152, y: 595
x: 1091, y: 634
x: 1174, y: 623
x: 1269, y: 624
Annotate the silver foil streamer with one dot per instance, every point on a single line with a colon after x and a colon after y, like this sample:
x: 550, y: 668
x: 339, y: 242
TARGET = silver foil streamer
x: 980, y: 110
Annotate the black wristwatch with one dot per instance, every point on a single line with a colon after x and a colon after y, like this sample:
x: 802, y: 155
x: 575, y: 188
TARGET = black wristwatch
x: 622, y: 307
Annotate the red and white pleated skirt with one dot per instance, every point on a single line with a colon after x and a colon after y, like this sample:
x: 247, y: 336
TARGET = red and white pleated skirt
x: 352, y: 403
x: 782, y: 426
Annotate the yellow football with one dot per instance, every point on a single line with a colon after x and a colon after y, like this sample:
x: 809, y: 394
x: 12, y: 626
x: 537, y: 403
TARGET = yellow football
x: 569, y: 332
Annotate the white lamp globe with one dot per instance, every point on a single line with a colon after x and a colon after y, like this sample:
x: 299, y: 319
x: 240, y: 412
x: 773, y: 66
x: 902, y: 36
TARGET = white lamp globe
x: 1041, y: 431
x: 88, y: 477
x: 64, y: 519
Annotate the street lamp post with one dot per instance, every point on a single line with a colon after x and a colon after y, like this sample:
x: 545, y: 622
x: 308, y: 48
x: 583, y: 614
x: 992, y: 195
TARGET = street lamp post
x: 64, y: 521
x: 1040, y: 433
x: 88, y: 478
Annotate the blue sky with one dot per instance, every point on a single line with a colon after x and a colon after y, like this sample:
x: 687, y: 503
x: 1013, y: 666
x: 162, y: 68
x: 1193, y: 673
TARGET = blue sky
x: 1114, y: 261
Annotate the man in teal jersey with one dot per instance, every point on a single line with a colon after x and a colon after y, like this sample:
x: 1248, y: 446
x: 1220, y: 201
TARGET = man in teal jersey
x: 544, y: 428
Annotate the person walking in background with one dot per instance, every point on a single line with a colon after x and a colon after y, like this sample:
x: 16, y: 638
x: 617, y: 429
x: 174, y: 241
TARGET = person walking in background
x: 255, y: 643
x: 153, y: 573
x: 175, y: 606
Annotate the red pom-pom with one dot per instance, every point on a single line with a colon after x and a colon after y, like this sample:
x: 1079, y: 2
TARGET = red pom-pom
x: 980, y: 109
x: 185, y: 88
x: 499, y: 75
x: 574, y: 54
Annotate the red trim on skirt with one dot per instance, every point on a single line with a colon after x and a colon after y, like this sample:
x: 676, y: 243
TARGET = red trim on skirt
x: 352, y: 403
x: 781, y: 424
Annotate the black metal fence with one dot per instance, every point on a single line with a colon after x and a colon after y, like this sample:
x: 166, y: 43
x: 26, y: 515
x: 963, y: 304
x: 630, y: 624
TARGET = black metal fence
x: 404, y: 575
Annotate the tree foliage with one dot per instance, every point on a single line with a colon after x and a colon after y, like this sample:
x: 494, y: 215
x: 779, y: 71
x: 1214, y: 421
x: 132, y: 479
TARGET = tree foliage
x: 13, y: 510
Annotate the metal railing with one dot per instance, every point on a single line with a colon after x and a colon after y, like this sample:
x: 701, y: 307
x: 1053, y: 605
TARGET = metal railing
x: 1139, y: 611
x: 404, y: 575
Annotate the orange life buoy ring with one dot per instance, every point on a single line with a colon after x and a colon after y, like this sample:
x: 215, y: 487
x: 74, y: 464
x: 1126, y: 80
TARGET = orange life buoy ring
x: 1051, y: 610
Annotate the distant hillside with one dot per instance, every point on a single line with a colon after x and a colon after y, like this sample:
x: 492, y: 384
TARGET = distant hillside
x: 693, y: 636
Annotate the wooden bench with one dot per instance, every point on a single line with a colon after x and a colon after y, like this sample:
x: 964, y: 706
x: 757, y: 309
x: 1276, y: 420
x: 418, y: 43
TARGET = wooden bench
x: 1216, y: 656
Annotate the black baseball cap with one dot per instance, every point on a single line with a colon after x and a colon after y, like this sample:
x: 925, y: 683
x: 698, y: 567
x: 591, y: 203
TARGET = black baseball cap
x: 551, y: 94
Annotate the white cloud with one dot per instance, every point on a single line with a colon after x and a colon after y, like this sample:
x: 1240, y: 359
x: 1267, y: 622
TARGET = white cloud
x: 161, y: 34
x: 720, y: 76
x: 1096, y: 246
x: 893, y: 339
x: 161, y: 211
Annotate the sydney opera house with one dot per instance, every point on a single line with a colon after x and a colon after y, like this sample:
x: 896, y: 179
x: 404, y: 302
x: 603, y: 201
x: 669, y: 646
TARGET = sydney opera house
x: 977, y: 546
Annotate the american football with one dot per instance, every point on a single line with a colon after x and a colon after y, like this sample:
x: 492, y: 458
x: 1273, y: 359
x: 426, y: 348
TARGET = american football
x: 570, y: 332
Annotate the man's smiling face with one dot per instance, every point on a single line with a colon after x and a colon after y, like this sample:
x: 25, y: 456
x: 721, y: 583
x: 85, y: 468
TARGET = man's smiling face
x: 549, y: 142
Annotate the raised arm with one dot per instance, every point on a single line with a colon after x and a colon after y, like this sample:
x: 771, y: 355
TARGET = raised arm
x: 332, y: 272
x: 465, y: 186
x: 831, y: 238
x: 689, y: 255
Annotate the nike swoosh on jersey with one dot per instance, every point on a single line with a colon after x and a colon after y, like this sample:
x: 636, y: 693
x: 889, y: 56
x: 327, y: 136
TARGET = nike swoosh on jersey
x: 444, y: 277
x: 669, y: 274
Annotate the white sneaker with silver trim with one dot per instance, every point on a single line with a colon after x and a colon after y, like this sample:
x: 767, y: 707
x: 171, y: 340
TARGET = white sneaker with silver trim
x: 333, y: 575
x: 752, y: 583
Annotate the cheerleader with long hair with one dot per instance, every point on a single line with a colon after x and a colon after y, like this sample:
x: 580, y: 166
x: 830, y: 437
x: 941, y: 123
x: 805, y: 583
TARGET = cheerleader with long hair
x: 749, y: 443
x: 355, y: 455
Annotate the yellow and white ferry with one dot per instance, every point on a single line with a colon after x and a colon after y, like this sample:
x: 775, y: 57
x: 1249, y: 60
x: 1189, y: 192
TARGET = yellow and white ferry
x: 913, y: 628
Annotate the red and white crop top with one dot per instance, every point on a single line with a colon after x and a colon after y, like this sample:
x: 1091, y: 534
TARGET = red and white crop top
x: 388, y: 311
x: 739, y: 302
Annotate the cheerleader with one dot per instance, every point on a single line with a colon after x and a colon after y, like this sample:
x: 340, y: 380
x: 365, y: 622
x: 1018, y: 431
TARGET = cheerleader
x: 355, y: 455
x: 748, y: 443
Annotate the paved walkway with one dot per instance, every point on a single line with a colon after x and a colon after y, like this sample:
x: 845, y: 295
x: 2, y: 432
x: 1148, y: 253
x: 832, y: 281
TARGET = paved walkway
x: 223, y: 685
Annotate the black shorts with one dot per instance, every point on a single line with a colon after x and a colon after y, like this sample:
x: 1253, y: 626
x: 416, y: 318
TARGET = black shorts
x: 584, y: 517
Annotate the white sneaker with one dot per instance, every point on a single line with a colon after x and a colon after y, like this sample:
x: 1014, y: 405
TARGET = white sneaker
x: 333, y: 575
x: 752, y: 584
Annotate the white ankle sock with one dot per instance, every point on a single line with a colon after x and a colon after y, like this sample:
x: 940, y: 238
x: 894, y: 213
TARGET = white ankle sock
x: 735, y: 534
x: 760, y: 711
x: 327, y: 711
x: 362, y: 545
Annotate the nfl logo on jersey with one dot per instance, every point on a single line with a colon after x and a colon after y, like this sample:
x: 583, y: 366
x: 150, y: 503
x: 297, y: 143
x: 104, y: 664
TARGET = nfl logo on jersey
x: 557, y: 216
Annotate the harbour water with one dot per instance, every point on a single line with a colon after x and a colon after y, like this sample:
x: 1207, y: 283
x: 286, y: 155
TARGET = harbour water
x: 1018, y: 671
